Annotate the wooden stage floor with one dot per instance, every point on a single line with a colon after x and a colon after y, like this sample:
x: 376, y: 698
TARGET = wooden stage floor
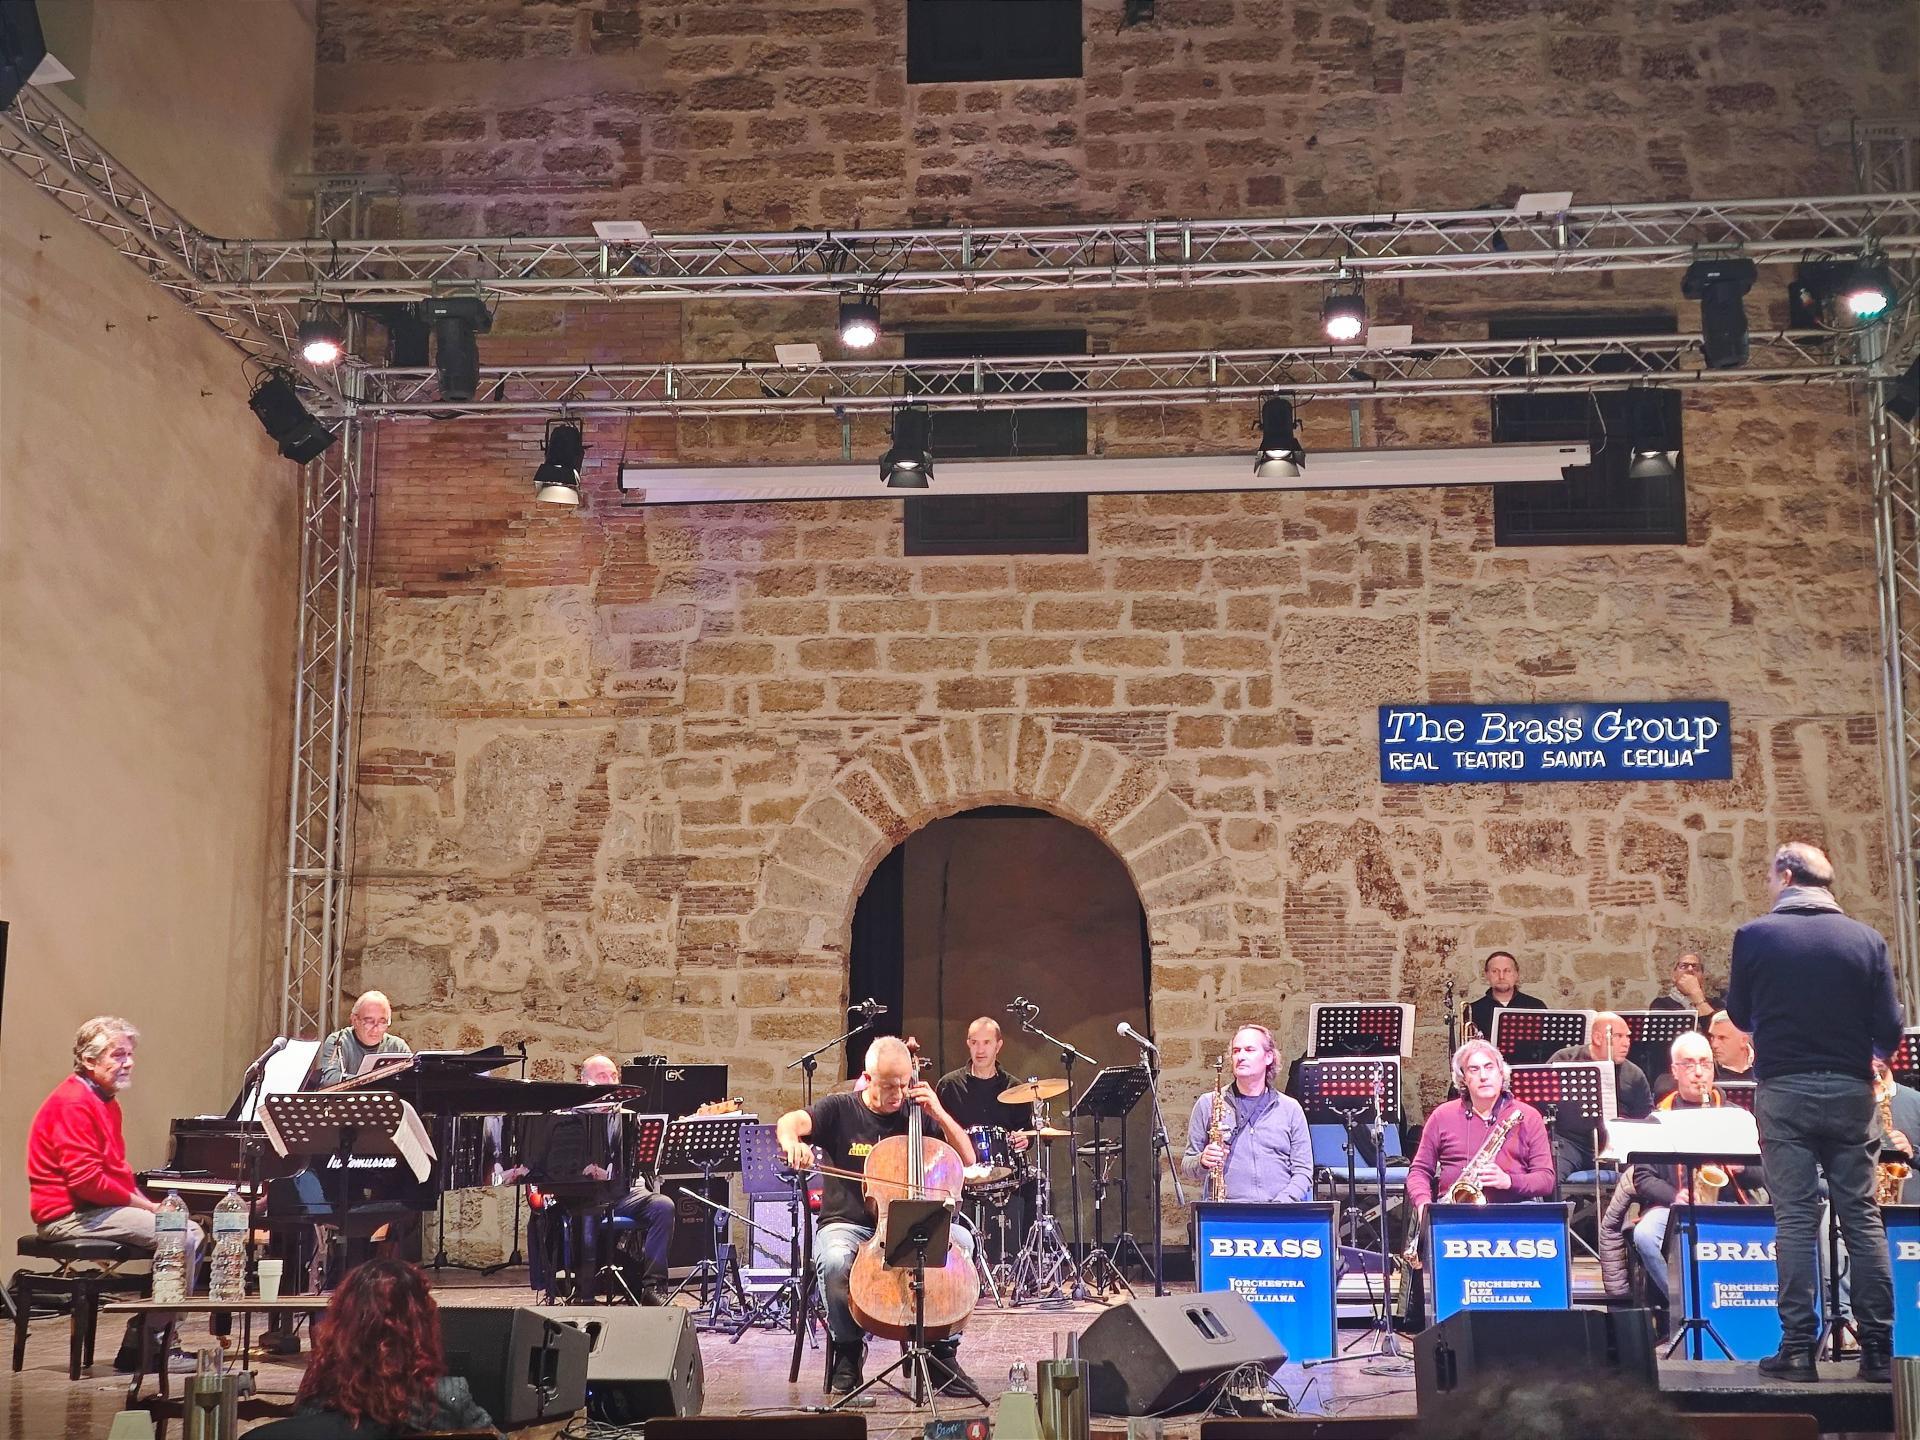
x: 40, y: 1403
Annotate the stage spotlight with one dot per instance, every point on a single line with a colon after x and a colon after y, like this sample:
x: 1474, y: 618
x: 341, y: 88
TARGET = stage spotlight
x: 1719, y: 285
x: 908, y: 463
x: 1280, y: 456
x: 1654, y: 447
x: 1867, y: 291
x: 1343, y: 315
x: 456, y: 321
x: 557, y: 481
x: 323, y: 339
x: 282, y: 416
x: 859, y: 323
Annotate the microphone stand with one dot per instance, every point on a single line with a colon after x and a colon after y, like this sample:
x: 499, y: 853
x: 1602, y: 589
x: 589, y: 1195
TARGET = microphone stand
x: 1067, y: 1056
x: 519, y: 1198
x: 1162, y: 1147
x: 809, y: 1062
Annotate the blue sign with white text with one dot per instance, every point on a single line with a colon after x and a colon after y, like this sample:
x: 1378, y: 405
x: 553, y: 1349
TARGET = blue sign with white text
x: 1499, y: 1257
x: 1281, y: 1258
x: 1903, y: 1251
x: 1739, y: 1284
x: 1581, y: 740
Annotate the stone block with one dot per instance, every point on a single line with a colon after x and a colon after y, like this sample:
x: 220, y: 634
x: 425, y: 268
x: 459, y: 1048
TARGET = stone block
x: 1068, y: 691
x: 974, y: 692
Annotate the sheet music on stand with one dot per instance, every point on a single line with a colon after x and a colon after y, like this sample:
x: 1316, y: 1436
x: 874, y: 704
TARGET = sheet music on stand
x: 1586, y: 1085
x: 704, y: 1142
x: 1360, y: 1028
x: 285, y: 1073
x: 1345, y: 1087
x: 1529, y: 1037
x: 1718, y: 1132
x: 1905, y: 1060
x: 313, y: 1124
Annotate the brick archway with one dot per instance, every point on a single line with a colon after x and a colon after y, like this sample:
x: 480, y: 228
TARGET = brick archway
x: 892, y: 788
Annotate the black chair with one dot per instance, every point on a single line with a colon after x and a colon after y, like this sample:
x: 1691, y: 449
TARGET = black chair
x: 85, y: 1270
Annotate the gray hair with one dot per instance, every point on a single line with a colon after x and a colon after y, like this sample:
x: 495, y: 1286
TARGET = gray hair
x: 1804, y: 864
x: 1683, y: 1039
x: 1471, y: 1047
x: 887, y: 1047
x: 96, y: 1037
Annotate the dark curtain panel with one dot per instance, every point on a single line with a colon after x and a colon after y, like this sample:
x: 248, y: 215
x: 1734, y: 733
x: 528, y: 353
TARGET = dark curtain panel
x: 876, y: 959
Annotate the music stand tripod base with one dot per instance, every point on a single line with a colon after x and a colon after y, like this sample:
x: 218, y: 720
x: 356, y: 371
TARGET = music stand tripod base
x: 918, y: 1232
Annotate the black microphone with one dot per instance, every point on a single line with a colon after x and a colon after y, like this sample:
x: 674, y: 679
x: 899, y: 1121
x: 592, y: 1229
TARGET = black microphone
x: 1020, y: 1005
x: 867, y: 1008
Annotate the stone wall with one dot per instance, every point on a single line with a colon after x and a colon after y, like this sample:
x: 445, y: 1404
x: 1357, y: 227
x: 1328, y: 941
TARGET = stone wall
x: 623, y: 774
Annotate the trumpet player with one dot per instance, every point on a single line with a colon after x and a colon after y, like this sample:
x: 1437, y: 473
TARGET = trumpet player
x: 1457, y: 1133
x: 1503, y: 992
x: 1264, y: 1148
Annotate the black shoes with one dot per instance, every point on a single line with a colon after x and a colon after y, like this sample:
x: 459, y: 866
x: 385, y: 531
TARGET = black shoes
x: 948, y: 1377
x: 1876, y: 1362
x: 1795, y: 1362
x: 847, y: 1370
x: 651, y: 1294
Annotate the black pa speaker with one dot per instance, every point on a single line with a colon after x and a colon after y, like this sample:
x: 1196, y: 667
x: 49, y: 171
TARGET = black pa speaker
x: 760, y: 1427
x: 1154, y: 1356
x: 1470, y: 1343
x: 641, y: 1364
x: 520, y: 1366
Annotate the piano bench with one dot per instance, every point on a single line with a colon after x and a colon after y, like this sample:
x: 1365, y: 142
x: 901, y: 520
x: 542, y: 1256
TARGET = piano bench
x: 86, y: 1270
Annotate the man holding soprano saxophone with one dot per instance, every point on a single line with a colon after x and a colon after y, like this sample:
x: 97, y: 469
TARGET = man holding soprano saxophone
x: 1485, y: 1146
x: 1248, y: 1140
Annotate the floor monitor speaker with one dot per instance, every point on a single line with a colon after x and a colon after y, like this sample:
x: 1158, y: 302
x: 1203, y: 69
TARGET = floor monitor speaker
x: 520, y: 1366
x: 1471, y: 1343
x: 1157, y: 1355
x: 643, y: 1364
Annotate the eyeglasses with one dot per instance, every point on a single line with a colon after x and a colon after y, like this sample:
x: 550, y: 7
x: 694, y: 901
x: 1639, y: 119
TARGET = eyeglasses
x: 1690, y: 969
x: 1704, y: 1062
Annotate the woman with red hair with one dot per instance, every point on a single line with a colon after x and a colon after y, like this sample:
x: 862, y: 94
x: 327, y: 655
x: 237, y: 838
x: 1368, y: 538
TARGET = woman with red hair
x: 376, y: 1366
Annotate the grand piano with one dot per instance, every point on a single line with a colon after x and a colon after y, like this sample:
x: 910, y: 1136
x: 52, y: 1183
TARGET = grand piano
x: 483, y: 1126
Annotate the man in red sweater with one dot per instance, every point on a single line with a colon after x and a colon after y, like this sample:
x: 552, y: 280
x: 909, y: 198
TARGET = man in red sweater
x: 81, y: 1185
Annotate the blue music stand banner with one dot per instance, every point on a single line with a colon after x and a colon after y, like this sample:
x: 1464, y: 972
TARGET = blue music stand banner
x: 1903, y: 1251
x: 1739, y: 1286
x: 1282, y: 1259
x: 1580, y: 740
x: 1499, y: 1257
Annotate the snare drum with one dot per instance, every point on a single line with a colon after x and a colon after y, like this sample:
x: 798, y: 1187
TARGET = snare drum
x: 997, y: 1165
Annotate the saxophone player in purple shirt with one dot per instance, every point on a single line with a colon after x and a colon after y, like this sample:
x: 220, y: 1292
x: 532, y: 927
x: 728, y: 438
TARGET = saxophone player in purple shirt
x: 1521, y: 1168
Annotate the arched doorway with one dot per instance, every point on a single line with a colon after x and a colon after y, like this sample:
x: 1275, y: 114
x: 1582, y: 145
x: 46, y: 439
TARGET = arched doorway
x: 1003, y: 901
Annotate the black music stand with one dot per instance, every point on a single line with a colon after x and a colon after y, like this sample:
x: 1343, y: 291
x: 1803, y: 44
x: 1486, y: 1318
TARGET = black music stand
x: 1580, y: 1088
x: 1340, y: 1092
x: 1530, y: 1037
x: 1905, y: 1060
x: 1357, y: 1029
x: 1111, y: 1095
x: 1650, y: 1036
x: 764, y: 1171
x: 919, y: 1233
x: 1738, y: 1092
x: 711, y: 1145
x: 343, y: 1124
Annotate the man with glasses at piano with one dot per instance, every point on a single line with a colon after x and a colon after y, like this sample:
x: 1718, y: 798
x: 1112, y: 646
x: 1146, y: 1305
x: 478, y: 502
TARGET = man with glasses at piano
x: 344, y: 1051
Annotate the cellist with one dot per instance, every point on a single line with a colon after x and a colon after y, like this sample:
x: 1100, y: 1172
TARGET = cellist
x: 846, y: 1127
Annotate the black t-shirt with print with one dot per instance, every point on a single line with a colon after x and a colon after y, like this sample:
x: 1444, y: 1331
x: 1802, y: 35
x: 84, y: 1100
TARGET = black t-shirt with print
x: 973, y: 1101
x: 845, y: 1130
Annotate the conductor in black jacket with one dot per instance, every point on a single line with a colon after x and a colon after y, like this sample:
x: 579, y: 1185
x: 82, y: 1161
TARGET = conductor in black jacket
x: 1815, y: 991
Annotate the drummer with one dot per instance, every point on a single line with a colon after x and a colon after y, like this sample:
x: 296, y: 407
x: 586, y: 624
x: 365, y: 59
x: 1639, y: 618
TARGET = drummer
x: 971, y: 1094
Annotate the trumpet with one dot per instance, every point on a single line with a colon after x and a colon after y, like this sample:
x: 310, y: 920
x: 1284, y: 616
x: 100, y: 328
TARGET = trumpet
x: 1708, y: 1182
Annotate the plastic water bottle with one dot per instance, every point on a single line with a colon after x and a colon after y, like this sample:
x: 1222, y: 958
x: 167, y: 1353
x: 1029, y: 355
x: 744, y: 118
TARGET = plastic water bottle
x: 170, y: 1250
x: 229, y: 1248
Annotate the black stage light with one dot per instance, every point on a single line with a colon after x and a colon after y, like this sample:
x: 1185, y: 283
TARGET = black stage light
x: 1655, y: 448
x: 457, y: 320
x: 859, y: 323
x: 1867, y: 291
x: 1343, y: 315
x: 1902, y: 395
x: 1843, y: 293
x: 557, y: 481
x: 908, y: 463
x: 1720, y: 285
x: 300, y: 436
x: 323, y: 339
x: 1281, y: 455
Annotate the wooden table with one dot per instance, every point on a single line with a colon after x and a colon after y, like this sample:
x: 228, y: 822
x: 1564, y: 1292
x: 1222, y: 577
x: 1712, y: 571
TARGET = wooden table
x: 200, y: 1305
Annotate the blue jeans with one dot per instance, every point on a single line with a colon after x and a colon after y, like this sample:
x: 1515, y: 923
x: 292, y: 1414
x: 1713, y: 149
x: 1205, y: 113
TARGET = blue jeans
x: 1650, y: 1240
x: 1812, y: 1125
x: 834, y: 1250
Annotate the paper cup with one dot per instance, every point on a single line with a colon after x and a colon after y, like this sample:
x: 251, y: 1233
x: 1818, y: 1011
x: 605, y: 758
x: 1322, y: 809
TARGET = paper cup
x: 269, y: 1273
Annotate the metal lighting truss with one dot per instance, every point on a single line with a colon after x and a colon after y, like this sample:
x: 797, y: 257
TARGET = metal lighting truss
x: 320, y: 790
x: 1115, y: 255
x: 1455, y: 368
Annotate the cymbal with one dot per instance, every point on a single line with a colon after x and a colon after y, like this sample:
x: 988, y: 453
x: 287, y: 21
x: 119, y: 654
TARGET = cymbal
x: 986, y: 1174
x: 1033, y: 1090
x: 1051, y: 1132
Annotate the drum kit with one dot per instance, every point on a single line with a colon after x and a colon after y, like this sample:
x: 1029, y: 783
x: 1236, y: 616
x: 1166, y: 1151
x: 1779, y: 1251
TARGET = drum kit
x: 1043, y: 1269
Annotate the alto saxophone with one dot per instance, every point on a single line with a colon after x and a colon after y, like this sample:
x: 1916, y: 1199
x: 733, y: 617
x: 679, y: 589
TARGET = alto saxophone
x: 1890, y: 1175
x: 1216, y: 1184
x: 1467, y: 1189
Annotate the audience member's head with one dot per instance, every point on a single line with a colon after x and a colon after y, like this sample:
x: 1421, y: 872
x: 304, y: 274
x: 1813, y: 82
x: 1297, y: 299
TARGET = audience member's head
x: 1532, y: 1405
x: 376, y: 1351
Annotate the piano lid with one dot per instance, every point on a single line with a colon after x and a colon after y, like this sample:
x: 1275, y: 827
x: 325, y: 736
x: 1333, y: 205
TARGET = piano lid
x: 285, y: 1074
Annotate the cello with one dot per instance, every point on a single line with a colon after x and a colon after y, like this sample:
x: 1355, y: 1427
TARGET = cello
x: 913, y: 1166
